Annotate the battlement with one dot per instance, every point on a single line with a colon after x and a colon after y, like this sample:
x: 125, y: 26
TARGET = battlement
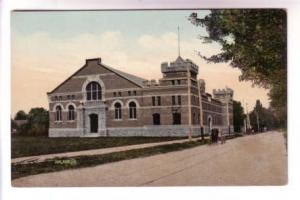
x: 223, y: 94
x: 179, y: 65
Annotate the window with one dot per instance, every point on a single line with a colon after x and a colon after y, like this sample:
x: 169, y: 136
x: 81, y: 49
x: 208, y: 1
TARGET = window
x: 176, y: 118
x: 156, y: 119
x: 134, y: 93
x: 115, y: 94
x: 132, y: 110
x: 129, y: 93
x: 153, y: 101
x: 68, y: 97
x: 71, y: 112
x: 179, y: 100
x: 173, y: 100
x: 93, y: 91
x: 55, y: 98
x: 58, y: 116
x: 73, y: 96
x: 158, y: 101
x: 60, y: 98
x: 178, y: 82
x: 118, y: 111
x: 173, y: 82
x: 120, y: 94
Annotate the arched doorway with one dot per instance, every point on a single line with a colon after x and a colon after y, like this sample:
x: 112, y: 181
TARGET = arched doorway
x: 93, y: 123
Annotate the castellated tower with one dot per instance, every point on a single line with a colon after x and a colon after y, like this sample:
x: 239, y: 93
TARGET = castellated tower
x: 226, y: 97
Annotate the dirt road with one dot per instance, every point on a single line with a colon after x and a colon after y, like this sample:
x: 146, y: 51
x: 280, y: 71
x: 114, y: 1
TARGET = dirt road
x: 251, y: 160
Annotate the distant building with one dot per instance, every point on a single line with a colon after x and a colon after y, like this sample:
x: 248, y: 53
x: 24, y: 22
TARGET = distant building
x: 98, y: 100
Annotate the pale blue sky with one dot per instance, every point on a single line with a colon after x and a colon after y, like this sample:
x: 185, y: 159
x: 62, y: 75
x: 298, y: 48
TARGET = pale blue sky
x: 134, y: 23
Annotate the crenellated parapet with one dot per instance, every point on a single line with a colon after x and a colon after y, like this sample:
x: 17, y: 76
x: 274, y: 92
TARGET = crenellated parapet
x: 179, y: 65
x: 224, y: 95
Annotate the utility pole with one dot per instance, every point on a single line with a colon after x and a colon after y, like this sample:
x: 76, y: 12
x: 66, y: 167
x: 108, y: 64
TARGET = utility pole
x: 257, y: 120
x: 189, y: 102
x: 201, y: 112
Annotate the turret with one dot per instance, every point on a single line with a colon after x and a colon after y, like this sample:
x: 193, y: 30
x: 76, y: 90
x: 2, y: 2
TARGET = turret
x: 224, y: 95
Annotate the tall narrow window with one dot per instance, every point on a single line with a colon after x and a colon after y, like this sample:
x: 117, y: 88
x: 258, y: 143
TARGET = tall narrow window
x: 173, y: 100
x: 178, y: 82
x: 179, y: 100
x: 156, y: 119
x: 132, y: 110
x: 158, y: 101
x: 129, y: 93
x: 93, y: 91
x: 71, y: 112
x: 176, y: 118
x: 153, y: 101
x: 173, y: 82
x: 58, y: 116
x: 118, y: 111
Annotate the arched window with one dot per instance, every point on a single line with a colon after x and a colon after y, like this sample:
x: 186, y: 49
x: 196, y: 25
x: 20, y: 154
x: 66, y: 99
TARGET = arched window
x: 71, y: 112
x: 118, y: 111
x: 132, y: 110
x: 58, y: 116
x: 93, y: 91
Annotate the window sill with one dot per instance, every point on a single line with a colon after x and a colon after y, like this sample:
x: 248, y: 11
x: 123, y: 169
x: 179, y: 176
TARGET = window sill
x: 117, y: 120
x: 132, y: 119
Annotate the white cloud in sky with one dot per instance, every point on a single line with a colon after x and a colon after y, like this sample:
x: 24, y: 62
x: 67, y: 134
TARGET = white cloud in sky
x: 40, y: 62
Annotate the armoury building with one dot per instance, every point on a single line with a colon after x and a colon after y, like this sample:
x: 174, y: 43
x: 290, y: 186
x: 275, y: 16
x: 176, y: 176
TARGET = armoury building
x: 98, y: 100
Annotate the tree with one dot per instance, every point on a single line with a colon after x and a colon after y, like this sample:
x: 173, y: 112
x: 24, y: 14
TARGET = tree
x: 265, y: 117
x: 37, y: 122
x: 21, y: 115
x: 253, y: 40
x: 238, y: 116
x: 38, y: 119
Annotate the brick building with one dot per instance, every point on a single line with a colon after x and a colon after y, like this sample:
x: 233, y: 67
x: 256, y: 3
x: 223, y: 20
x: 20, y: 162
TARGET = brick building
x: 98, y: 100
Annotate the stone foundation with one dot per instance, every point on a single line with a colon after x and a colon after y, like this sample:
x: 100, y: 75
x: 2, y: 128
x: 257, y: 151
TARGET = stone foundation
x: 145, y: 131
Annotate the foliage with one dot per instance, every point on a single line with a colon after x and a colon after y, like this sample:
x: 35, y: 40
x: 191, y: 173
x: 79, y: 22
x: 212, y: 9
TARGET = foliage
x: 238, y: 116
x: 253, y: 40
x: 37, y: 122
x: 265, y: 116
x: 21, y: 115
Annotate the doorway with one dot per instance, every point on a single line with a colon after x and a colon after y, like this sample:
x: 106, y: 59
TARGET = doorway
x: 93, y: 123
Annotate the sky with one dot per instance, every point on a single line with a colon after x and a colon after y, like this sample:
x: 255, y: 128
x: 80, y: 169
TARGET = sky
x: 47, y: 47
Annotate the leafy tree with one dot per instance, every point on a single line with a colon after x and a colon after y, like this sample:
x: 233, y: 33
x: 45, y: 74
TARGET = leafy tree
x: 21, y: 115
x: 265, y: 117
x: 253, y: 40
x: 238, y: 116
x: 39, y: 121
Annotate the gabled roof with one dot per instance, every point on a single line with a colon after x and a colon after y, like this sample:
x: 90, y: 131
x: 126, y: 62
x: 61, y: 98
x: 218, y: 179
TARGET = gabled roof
x: 137, y: 80
x: 132, y: 78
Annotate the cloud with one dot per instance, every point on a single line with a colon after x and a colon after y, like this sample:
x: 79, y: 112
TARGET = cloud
x: 40, y: 58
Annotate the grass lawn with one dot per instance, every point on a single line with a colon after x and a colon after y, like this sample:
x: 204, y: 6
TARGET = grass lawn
x: 38, y: 145
x: 59, y: 164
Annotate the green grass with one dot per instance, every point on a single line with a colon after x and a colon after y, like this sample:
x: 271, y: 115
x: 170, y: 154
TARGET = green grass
x: 59, y: 164
x: 38, y: 145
